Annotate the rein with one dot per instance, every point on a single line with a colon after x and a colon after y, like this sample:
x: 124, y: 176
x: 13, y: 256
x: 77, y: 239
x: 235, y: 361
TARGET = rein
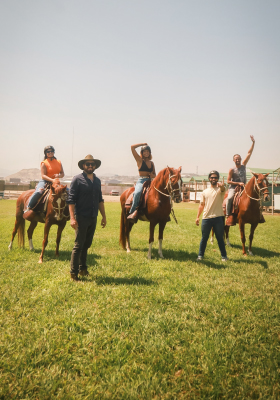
x: 170, y: 194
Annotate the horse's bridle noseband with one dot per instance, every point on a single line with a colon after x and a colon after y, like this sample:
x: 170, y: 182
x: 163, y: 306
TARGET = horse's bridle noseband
x: 60, y: 210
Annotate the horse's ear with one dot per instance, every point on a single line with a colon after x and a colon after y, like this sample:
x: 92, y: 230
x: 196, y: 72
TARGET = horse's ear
x: 169, y: 169
x: 180, y: 169
x: 255, y: 175
x: 266, y: 175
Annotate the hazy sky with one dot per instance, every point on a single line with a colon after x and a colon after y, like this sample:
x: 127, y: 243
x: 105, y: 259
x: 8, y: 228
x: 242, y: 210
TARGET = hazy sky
x: 194, y: 79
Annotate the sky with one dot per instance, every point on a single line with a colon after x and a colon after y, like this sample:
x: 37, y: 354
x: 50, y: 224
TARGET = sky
x: 192, y: 78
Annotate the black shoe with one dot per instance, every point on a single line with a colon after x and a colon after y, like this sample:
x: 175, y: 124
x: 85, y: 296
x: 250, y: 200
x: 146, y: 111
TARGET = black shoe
x: 83, y: 272
x: 75, y: 278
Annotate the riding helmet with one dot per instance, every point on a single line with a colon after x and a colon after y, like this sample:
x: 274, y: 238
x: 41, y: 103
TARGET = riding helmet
x: 213, y: 172
x: 143, y: 148
x: 48, y: 148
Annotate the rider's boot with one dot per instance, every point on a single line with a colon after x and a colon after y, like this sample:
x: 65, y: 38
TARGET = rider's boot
x: 133, y: 217
x: 230, y: 221
x: 29, y: 214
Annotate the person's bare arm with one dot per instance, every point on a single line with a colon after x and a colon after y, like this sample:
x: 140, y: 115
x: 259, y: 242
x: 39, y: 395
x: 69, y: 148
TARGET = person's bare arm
x: 153, y: 174
x: 199, y: 211
x: 135, y: 154
x: 101, y: 208
x: 247, y: 158
x: 45, y: 176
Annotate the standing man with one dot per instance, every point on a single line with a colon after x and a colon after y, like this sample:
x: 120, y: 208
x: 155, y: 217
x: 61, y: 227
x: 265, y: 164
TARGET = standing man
x: 211, y: 203
x: 85, y: 199
x: 236, y: 177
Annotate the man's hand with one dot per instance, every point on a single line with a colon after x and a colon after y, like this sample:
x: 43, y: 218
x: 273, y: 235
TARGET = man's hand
x: 73, y: 223
x: 103, y: 222
x: 197, y: 221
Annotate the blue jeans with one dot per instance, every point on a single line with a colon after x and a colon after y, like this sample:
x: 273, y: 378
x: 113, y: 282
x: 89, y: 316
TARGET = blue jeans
x: 206, y: 226
x: 137, y: 193
x: 37, y: 194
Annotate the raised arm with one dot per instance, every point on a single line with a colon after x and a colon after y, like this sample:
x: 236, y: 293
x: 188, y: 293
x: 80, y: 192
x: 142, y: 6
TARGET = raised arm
x: 247, y: 158
x: 134, y: 152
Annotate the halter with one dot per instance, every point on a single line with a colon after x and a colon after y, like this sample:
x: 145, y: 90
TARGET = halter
x: 260, y: 194
x: 170, y: 194
x: 60, y: 210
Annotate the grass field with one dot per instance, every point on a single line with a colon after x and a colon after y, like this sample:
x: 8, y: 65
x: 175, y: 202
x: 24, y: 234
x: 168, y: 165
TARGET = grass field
x: 139, y: 329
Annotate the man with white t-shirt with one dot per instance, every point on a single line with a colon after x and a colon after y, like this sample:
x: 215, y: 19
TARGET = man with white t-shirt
x: 211, y: 204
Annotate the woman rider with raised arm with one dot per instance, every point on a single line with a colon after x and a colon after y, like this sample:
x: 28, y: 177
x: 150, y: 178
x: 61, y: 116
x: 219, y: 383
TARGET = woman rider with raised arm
x: 51, y: 171
x: 146, y: 170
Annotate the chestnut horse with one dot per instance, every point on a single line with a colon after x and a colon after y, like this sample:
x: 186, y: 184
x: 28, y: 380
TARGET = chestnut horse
x: 250, y: 206
x: 164, y: 189
x: 57, y: 212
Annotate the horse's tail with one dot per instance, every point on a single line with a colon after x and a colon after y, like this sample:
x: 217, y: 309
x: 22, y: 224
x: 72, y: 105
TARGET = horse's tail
x: 21, y: 232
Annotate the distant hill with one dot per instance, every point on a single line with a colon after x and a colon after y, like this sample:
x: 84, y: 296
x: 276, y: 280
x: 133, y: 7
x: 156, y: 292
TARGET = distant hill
x: 26, y: 175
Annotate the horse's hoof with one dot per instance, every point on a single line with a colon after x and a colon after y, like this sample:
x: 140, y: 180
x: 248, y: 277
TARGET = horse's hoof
x: 161, y: 256
x: 128, y: 250
x: 40, y: 261
x: 250, y: 253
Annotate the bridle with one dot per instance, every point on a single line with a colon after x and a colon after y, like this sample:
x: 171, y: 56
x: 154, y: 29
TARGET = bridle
x: 171, y: 192
x: 259, y: 192
x: 59, y: 210
x: 170, y: 189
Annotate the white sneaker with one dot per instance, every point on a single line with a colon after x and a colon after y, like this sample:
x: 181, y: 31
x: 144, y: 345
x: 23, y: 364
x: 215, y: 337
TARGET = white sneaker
x: 199, y: 258
x: 224, y: 259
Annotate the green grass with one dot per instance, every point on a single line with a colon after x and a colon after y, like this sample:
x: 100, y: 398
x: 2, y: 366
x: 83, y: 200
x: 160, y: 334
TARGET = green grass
x: 139, y: 329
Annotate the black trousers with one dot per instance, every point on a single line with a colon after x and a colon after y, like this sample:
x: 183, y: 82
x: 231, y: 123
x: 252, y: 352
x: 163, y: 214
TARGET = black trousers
x: 84, y: 236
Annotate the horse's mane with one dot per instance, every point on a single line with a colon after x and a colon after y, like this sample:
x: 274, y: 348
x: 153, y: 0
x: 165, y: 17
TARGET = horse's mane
x: 161, y: 175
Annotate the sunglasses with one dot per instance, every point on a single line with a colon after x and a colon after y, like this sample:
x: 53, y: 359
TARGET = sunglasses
x: 49, y: 151
x: 213, y: 177
x: 90, y: 164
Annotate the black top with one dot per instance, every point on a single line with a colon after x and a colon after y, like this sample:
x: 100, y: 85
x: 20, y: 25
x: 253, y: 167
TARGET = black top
x: 86, y: 195
x: 144, y: 167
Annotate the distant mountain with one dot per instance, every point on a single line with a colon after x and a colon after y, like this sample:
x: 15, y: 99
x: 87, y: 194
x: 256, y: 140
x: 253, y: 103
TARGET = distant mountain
x: 26, y: 175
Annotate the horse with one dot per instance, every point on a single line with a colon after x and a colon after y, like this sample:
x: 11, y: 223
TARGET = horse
x: 164, y: 189
x: 250, y: 206
x: 57, y: 212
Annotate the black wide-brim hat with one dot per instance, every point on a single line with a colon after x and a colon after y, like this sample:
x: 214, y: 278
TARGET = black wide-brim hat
x: 89, y: 157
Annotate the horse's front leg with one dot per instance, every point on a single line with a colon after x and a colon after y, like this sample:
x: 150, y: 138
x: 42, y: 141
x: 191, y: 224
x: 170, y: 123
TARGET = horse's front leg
x: 60, y: 228
x: 30, y: 231
x: 242, y: 234
x: 151, y: 239
x: 160, y: 238
x: 45, y: 240
x: 253, y: 227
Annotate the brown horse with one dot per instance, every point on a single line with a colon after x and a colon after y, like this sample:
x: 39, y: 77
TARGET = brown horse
x: 57, y: 212
x: 165, y: 188
x: 250, y: 206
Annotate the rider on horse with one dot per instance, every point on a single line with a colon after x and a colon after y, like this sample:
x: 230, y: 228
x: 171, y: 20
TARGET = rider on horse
x: 237, y: 177
x: 51, y: 171
x: 146, y: 170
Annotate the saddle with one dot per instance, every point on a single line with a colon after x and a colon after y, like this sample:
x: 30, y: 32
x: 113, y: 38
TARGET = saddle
x: 38, y: 212
x: 143, y: 199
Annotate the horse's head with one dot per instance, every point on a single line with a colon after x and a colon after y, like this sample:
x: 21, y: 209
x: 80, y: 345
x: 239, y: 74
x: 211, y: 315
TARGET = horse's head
x: 261, y: 184
x: 58, y: 199
x: 174, y: 184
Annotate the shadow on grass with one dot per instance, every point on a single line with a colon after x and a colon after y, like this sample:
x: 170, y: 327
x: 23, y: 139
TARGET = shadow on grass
x: 65, y: 255
x: 134, y: 280
x: 257, y: 251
